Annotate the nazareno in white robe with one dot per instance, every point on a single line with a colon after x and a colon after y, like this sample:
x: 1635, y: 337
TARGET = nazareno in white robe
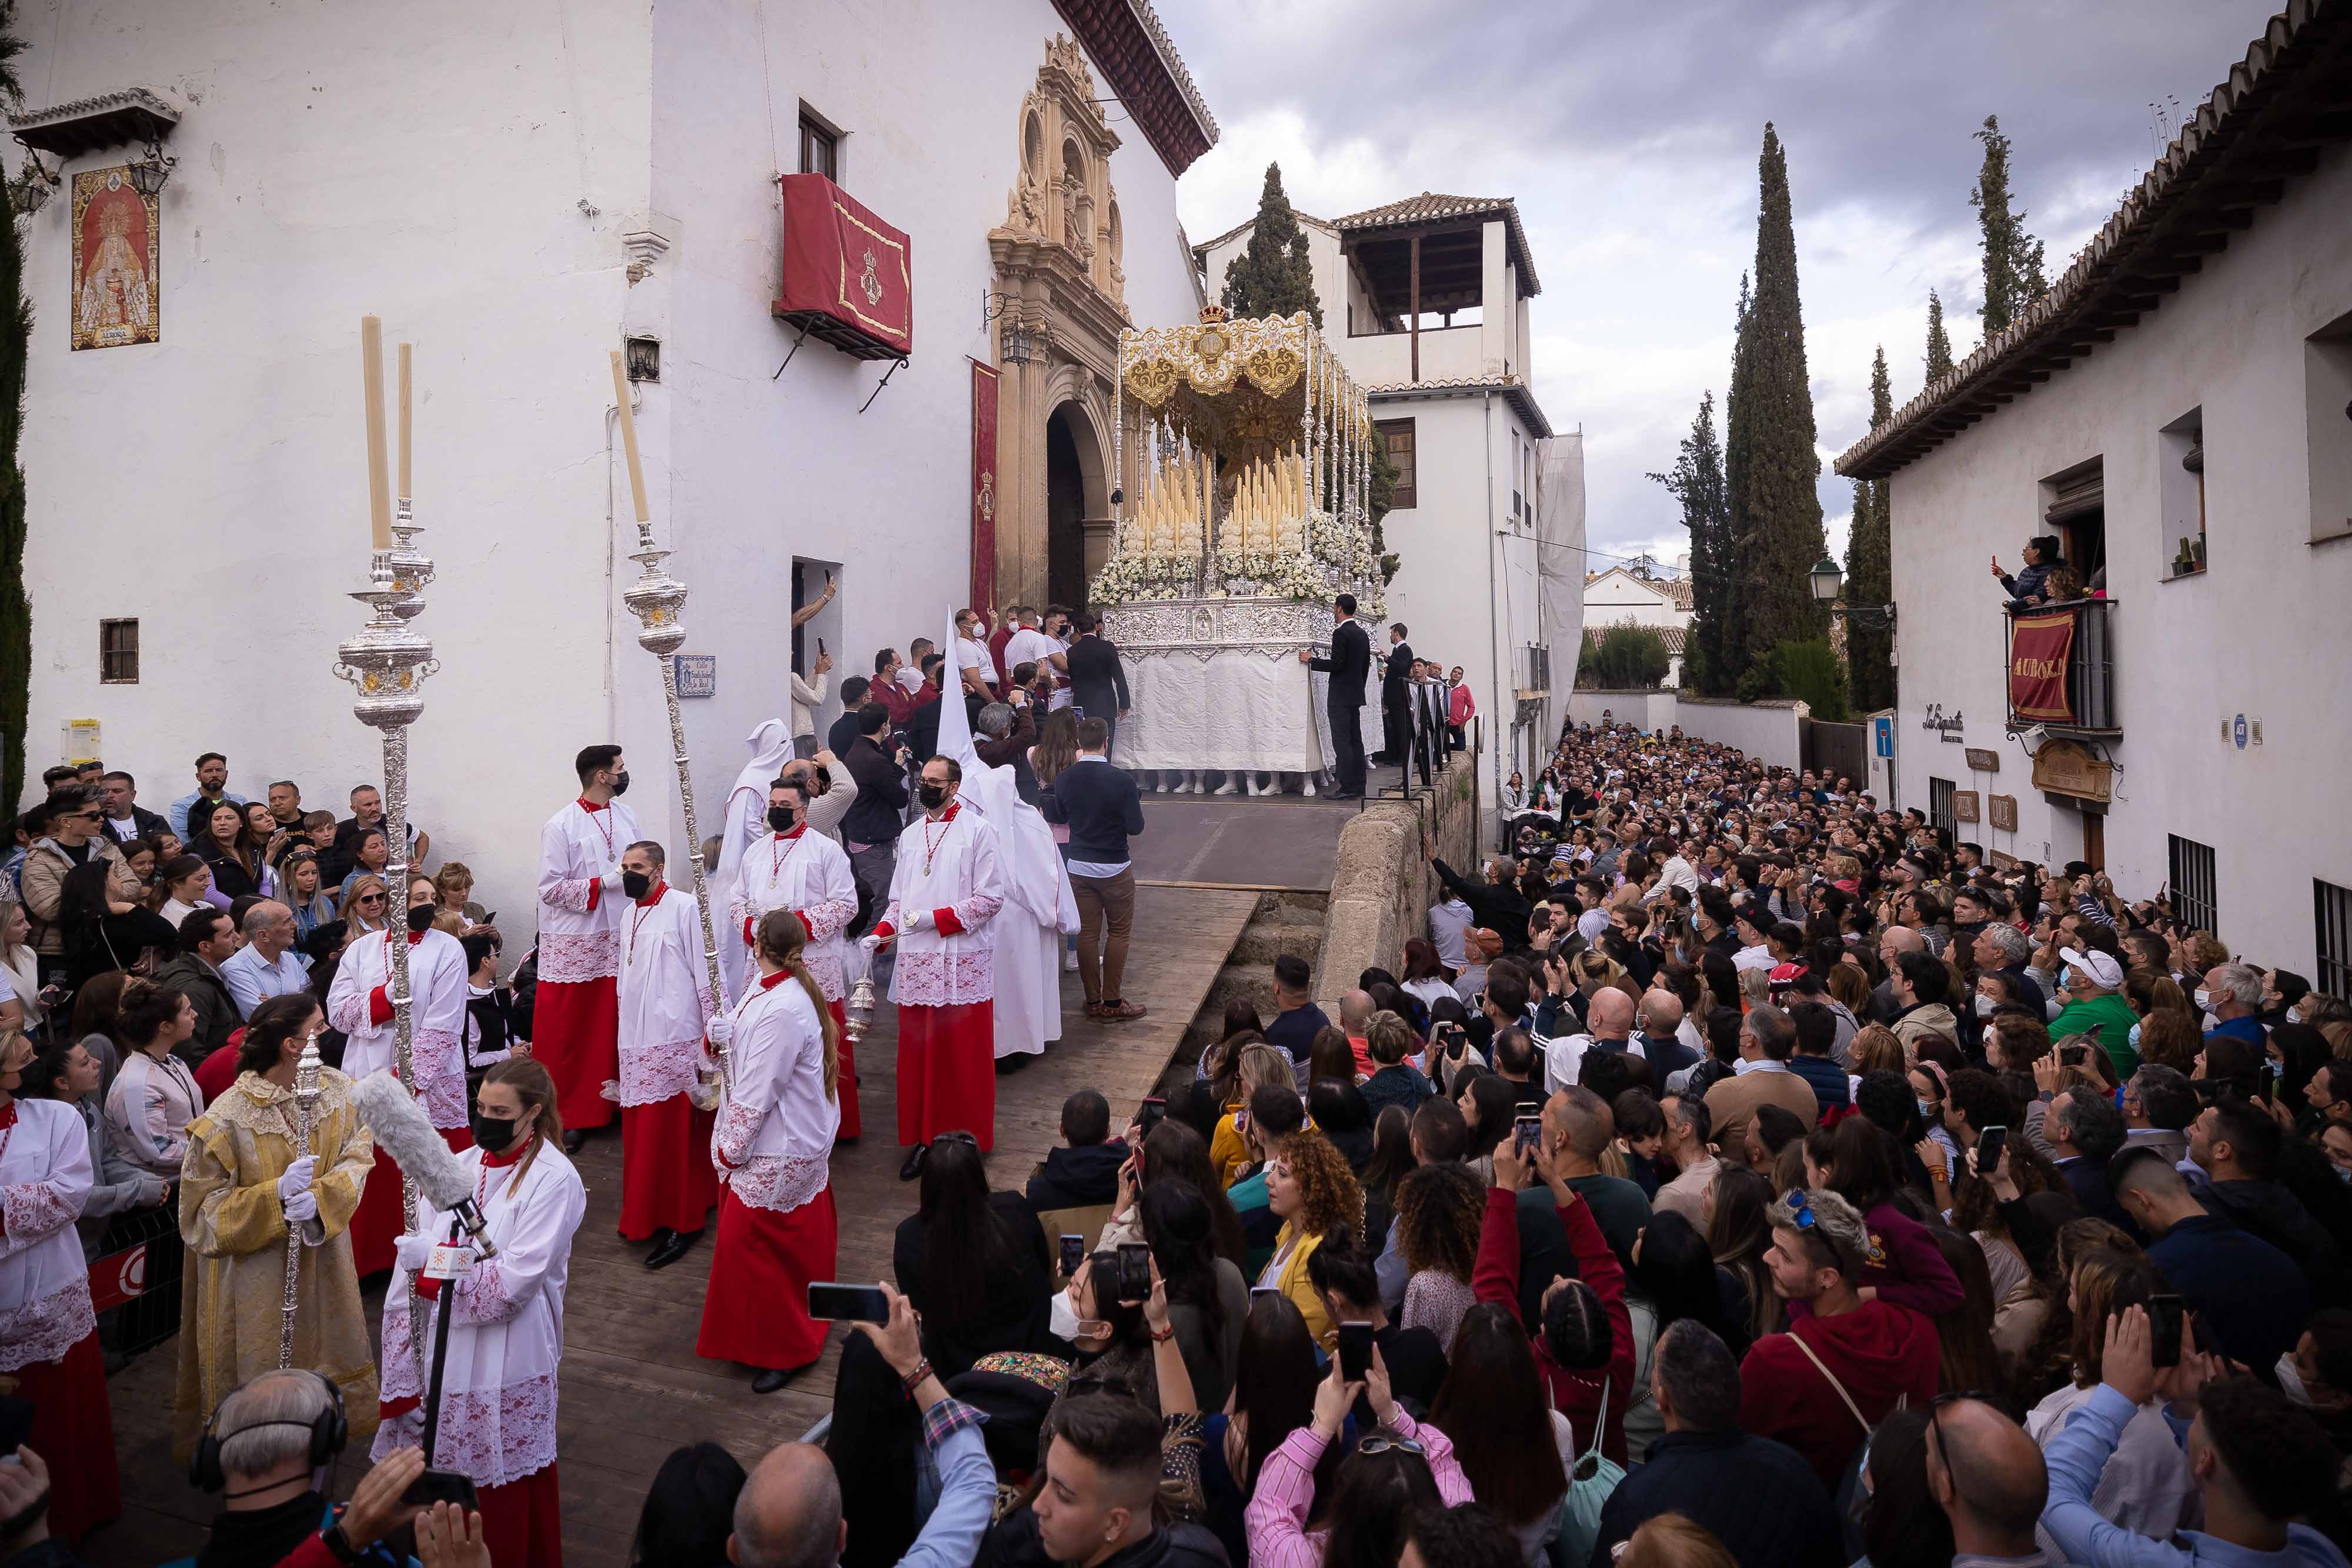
x: 506, y: 1341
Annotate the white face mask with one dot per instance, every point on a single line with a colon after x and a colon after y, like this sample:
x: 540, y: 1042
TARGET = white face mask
x: 1984, y: 1007
x: 1062, y: 1317
x: 2290, y: 1380
x: 2204, y: 998
x: 1931, y: 1113
x: 2134, y: 1037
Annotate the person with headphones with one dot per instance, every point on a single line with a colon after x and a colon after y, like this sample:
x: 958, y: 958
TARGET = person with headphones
x: 242, y: 1189
x: 499, y: 1406
x: 269, y: 1449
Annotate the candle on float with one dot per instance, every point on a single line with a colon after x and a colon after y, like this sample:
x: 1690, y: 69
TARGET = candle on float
x: 379, y: 482
x: 405, y: 491
x: 629, y: 437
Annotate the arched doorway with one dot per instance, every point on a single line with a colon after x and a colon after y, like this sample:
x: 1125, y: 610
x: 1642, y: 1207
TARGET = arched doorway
x: 1074, y: 493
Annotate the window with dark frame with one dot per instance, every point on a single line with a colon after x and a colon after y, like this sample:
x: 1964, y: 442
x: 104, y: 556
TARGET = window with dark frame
x: 118, y: 653
x: 2331, y: 921
x: 2195, y: 885
x: 1397, y: 435
x: 820, y: 145
x: 1940, y: 810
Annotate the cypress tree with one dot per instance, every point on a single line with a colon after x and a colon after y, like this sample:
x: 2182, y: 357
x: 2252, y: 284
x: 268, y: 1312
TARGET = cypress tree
x: 1729, y: 662
x: 2012, y: 257
x: 16, y: 338
x: 1696, y: 482
x: 1770, y: 464
x: 1272, y: 276
x: 1869, y: 650
x: 1939, y: 344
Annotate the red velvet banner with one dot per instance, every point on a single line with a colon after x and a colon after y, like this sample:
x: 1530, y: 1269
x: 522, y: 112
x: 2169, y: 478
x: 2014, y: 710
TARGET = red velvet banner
x: 984, y: 484
x: 2038, y: 647
x: 841, y: 261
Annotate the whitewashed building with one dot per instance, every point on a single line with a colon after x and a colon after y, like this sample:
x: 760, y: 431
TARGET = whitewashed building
x: 518, y: 192
x: 2177, y: 411
x: 1427, y: 300
x: 1663, y: 604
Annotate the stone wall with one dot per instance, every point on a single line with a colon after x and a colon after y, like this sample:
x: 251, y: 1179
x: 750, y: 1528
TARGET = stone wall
x: 1383, y: 886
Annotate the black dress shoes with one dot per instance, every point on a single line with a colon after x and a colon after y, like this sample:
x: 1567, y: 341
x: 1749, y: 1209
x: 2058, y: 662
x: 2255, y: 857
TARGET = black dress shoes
x: 775, y: 1377
x: 669, y: 1246
x: 912, y: 1166
x: 573, y: 1143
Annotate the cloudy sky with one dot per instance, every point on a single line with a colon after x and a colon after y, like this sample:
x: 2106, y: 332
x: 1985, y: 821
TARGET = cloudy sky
x: 1628, y: 133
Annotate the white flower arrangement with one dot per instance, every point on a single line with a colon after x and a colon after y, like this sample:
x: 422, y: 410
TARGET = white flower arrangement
x: 1127, y: 579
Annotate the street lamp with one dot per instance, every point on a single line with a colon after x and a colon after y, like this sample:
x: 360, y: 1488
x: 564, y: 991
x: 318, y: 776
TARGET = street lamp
x: 1826, y: 581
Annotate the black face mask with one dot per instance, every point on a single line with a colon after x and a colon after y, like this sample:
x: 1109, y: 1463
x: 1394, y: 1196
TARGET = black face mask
x: 635, y: 884
x: 781, y: 818
x: 420, y: 917
x: 621, y: 783
x: 491, y: 1133
x: 934, y: 796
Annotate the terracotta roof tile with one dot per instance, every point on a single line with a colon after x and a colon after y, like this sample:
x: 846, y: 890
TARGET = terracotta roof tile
x: 1431, y: 207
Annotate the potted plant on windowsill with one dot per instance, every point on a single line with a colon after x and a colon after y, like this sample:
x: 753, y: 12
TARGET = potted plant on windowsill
x: 2191, y: 560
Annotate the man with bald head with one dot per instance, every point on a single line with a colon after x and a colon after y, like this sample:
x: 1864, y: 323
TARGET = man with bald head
x: 1608, y: 1026
x: 1657, y: 1030
x: 1355, y: 1020
x: 1894, y: 941
x: 1988, y: 1476
x: 788, y: 1514
x: 1577, y: 1126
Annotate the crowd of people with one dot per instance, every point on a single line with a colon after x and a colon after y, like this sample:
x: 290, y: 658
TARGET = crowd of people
x: 1733, y: 1173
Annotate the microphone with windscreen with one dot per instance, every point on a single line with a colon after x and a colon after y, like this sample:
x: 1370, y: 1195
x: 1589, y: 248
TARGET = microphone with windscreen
x: 409, y: 1137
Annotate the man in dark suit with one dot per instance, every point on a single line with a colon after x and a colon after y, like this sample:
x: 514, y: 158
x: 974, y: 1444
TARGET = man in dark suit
x: 1350, y: 666
x: 1097, y: 681
x: 1396, y: 701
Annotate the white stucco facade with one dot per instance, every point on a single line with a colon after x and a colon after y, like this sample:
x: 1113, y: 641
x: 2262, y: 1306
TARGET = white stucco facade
x: 2261, y: 632
x: 1617, y: 598
x: 486, y: 184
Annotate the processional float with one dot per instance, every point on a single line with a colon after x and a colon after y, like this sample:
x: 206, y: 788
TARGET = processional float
x: 1245, y: 449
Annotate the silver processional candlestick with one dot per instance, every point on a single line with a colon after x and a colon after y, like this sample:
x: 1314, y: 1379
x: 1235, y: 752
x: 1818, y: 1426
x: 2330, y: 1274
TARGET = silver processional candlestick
x: 656, y: 599
x: 306, y: 1112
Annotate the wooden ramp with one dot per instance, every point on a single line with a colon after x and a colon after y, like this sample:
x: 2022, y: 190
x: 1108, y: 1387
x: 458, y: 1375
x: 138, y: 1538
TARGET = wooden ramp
x: 632, y: 1388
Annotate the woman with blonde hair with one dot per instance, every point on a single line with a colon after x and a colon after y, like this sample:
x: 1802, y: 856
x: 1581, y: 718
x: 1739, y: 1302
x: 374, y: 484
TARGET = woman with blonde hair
x: 499, y: 1411
x: 362, y: 909
x: 21, y: 966
x: 1310, y: 1189
x: 453, y: 889
x: 778, y: 1107
x: 302, y: 890
x: 1877, y: 1049
x: 1675, y: 1541
x: 1255, y: 1066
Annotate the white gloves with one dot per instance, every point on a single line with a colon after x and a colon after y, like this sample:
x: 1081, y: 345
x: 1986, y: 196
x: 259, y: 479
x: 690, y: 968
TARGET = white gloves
x: 721, y: 1031
x: 297, y: 1178
x: 868, y: 943
x: 611, y: 879
x: 301, y: 1208
x: 411, y: 1252
x: 918, y: 920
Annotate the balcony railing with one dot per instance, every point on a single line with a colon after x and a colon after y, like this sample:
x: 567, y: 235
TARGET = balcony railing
x: 2088, y: 703
x: 1531, y: 670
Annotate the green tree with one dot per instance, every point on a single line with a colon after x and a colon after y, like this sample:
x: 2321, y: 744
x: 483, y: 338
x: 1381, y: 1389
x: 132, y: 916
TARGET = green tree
x: 1696, y: 481
x: 1622, y: 658
x: 1769, y: 462
x: 2012, y: 257
x: 1808, y: 671
x: 16, y: 339
x: 1869, y: 650
x: 1939, y: 342
x: 1272, y: 276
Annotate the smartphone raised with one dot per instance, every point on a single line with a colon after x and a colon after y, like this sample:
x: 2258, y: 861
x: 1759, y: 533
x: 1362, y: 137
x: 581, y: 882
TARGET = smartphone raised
x: 2165, y: 1315
x: 1989, y: 1144
x: 1355, y: 1350
x: 1074, y: 1253
x: 1150, y: 1114
x: 1524, y: 1132
x: 2268, y: 1080
x: 441, y: 1486
x: 832, y: 1301
x: 1134, y: 1272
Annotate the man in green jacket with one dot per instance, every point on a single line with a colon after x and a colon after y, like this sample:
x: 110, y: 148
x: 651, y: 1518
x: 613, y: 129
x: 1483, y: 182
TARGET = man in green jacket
x: 2091, y: 993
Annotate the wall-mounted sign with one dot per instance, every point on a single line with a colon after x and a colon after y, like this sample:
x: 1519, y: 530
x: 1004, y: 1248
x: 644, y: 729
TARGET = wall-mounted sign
x: 2066, y: 767
x: 1964, y: 806
x: 1881, y: 736
x: 1981, y: 761
x: 2002, y: 859
x: 1946, y: 730
x: 77, y: 741
x: 2005, y: 812
x: 698, y: 674
x: 2238, y: 731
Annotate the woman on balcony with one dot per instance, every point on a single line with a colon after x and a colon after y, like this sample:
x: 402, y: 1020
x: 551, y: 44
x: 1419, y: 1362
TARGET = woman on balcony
x: 2029, y: 588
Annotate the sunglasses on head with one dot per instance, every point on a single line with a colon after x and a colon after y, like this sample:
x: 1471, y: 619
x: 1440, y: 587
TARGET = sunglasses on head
x: 1801, y: 1211
x: 1380, y: 1443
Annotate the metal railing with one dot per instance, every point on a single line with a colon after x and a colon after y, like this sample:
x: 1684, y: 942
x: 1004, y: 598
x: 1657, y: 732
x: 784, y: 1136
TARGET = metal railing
x: 2090, y: 669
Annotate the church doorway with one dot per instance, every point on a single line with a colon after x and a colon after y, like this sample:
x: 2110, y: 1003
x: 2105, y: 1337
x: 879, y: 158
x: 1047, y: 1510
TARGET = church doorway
x: 1074, y: 493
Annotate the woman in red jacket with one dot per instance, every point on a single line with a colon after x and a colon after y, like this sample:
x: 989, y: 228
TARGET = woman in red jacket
x: 1906, y: 1268
x: 1585, y: 1349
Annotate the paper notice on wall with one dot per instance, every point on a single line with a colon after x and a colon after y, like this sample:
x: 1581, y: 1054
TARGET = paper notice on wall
x: 77, y: 741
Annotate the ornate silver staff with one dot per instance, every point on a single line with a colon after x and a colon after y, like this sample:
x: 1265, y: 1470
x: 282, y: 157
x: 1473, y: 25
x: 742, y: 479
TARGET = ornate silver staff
x: 306, y: 1108
x: 655, y: 599
x: 387, y: 665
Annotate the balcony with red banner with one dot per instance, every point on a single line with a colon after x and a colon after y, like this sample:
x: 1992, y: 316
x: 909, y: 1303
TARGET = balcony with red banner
x: 2062, y: 674
x: 849, y: 277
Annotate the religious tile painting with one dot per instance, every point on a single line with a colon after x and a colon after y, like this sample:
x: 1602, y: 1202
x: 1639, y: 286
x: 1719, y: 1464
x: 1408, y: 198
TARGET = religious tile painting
x: 118, y: 297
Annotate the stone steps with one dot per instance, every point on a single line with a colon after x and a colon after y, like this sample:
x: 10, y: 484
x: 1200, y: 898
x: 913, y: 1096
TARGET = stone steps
x: 1283, y: 923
